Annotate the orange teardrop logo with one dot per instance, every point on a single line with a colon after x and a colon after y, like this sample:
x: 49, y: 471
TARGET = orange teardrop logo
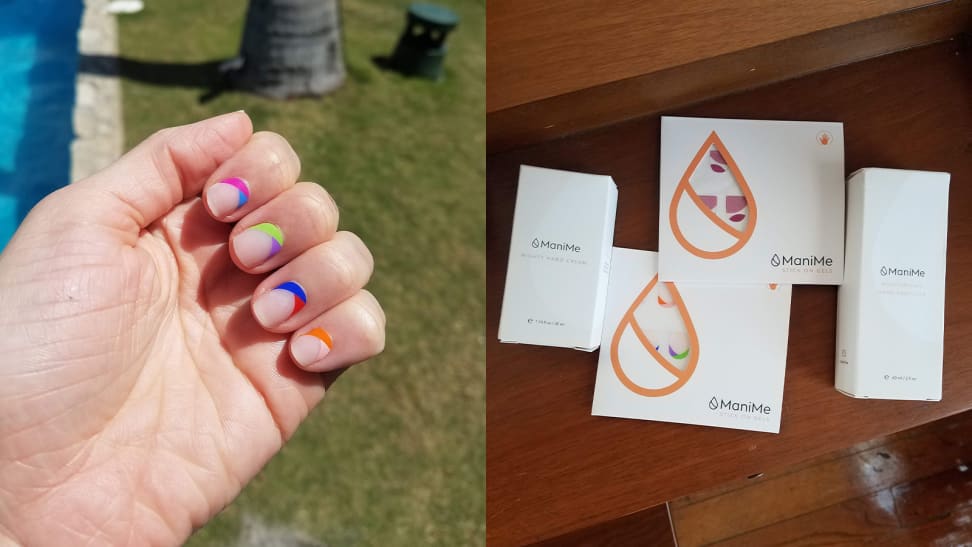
x: 716, y: 189
x: 675, y: 349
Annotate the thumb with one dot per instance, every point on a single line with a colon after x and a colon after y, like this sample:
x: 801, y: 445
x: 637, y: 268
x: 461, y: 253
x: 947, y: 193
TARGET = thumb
x: 165, y: 169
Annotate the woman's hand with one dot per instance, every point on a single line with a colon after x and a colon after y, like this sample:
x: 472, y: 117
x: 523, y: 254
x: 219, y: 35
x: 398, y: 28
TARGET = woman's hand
x: 158, y: 346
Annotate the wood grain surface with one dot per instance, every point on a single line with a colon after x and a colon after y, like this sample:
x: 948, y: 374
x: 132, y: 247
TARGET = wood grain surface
x: 537, y: 49
x: 552, y: 468
x: 681, y: 85
x: 875, y: 490
x: 649, y: 527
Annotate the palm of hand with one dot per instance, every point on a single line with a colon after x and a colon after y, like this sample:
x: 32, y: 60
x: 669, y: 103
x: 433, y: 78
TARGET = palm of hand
x: 138, y: 392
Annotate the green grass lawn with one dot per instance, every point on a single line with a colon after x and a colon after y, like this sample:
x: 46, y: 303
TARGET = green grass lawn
x: 396, y: 454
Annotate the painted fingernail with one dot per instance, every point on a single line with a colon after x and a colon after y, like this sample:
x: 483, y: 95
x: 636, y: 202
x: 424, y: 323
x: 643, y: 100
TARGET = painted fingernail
x: 311, y: 347
x: 258, y: 243
x: 278, y: 305
x: 227, y: 195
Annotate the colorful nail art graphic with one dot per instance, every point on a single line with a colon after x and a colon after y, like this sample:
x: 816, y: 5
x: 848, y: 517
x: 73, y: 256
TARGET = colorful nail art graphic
x: 322, y: 335
x: 311, y: 346
x: 279, y: 304
x: 258, y: 243
x: 665, y: 299
x: 300, y: 297
x: 675, y: 355
x: 682, y: 342
x: 227, y: 195
x: 712, y: 179
x: 276, y: 236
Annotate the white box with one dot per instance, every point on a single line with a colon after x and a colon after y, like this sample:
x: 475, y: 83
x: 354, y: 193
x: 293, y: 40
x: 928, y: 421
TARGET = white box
x: 560, y: 257
x: 891, y: 306
x: 745, y: 201
x: 691, y: 353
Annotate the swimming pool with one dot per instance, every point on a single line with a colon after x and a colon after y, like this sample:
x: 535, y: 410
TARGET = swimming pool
x: 38, y: 65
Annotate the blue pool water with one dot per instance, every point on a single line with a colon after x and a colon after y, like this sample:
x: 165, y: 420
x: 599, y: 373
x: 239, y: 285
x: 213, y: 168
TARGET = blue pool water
x: 38, y: 64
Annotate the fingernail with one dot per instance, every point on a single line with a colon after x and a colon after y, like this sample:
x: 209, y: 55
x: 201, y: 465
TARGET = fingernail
x: 311, y: 347
x: 258, y: 243
x: 278, y: 305
x: 227, y: 195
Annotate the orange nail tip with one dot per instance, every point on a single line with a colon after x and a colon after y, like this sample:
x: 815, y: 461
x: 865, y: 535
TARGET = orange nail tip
x: 322, y: 335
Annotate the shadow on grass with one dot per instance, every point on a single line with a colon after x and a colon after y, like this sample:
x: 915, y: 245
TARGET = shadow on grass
x: 383, y: 62
x: 209, y: 75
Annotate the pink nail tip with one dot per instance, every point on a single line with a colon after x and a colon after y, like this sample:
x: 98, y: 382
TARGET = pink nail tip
x: 227, y: 196
x: 239, y: 184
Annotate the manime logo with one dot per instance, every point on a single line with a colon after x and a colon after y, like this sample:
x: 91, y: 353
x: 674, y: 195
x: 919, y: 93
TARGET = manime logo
x: 728, y: 208
x: 735, y: 406
x: 672, y: 354
x: 901, y: 272
x: 554, y: 246
x: 778, y: 260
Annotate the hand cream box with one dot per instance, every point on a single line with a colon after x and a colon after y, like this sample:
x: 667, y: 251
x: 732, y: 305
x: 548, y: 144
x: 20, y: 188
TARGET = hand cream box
x: 751, y: 201
x: 891, y: 305
x: 560, y: 258
x: 691, y: 353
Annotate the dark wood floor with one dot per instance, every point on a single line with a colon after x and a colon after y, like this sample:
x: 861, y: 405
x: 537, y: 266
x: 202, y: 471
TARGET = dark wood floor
x: 912, y: 488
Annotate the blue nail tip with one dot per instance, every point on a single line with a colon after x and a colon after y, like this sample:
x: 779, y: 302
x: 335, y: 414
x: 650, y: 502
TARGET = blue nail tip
x: 294, y: 288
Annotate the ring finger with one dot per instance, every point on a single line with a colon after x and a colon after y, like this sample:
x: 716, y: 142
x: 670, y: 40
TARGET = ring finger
x: 312, y: 283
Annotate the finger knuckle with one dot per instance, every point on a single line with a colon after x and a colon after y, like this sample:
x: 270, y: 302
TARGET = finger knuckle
x: 370, y: 301
x: 279, y: 154
x: 360, y: 249
x: 344, y: 273
x: 372, y: 324
x: 322, y: 207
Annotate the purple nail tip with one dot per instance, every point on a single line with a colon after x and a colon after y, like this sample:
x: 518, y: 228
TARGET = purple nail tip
x: 717, y: 168
x: 717, y: 156
x: 737, y: 218
x: 274, y: 247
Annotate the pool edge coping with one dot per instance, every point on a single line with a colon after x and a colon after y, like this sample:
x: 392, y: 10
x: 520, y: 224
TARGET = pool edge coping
x: 97, y: 114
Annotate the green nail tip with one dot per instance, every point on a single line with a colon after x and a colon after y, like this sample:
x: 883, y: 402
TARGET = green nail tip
x: 272, y: 230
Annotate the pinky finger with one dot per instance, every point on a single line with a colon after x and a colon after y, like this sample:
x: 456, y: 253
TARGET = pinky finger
x: 348, y: 333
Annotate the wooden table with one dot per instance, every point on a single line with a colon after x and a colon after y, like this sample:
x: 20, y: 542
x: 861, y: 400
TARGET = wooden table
x: 554, y: 469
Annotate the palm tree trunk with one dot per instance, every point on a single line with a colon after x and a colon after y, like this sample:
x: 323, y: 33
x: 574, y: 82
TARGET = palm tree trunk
x: 290, y: 48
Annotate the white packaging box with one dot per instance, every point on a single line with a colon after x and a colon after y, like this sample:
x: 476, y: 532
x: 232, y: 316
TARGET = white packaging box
x: 560, y: 258
x: 891, y: 306
x: 691, y: 353
x: 747, y: 201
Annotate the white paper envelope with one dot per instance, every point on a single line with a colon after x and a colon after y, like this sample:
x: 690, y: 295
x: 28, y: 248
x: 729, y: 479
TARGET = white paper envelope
x: 695, y: 354
x: 746, y: 201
